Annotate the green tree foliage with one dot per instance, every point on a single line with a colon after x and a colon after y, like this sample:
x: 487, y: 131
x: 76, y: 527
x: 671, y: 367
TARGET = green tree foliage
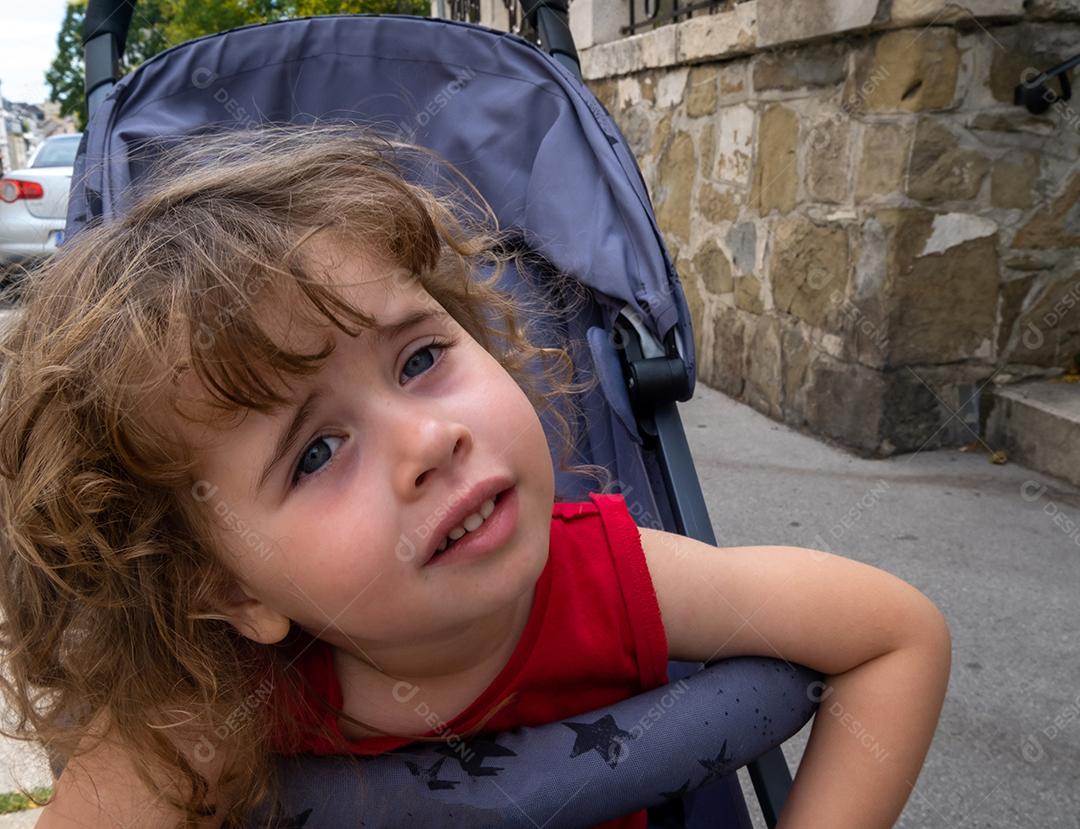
x: 158, y: 24
x: 65, y: 76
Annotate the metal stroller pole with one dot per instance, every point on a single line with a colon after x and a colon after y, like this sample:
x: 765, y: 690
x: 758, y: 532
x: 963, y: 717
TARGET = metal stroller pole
x: 105, y: 29
x: 551, y: 20
x: 654, y: 384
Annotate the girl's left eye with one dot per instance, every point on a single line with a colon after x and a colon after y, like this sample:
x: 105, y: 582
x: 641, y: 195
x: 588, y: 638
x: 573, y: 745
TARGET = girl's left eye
x: 421, y: 364
x: 436, y: 344
x: 310, y: 461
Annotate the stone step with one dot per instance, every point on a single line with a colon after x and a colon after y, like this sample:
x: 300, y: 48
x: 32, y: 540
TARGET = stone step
x: 1038, y: 424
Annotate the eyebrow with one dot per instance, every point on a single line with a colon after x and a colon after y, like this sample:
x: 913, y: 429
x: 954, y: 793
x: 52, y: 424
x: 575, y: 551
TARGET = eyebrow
x: 288, y: 435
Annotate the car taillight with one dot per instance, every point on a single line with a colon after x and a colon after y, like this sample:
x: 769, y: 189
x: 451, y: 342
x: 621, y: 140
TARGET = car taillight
x: 13, y: 189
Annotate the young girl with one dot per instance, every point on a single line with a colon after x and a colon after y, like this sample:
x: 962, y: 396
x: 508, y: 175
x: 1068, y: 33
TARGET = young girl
x: 272, y: 462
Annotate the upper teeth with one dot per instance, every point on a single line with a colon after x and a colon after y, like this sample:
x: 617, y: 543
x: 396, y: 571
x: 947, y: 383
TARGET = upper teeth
x: 472, y: 522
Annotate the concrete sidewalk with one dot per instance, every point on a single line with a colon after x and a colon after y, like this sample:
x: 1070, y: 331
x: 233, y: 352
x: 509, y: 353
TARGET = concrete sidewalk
x: 991, y: 545
x: 20, y: 820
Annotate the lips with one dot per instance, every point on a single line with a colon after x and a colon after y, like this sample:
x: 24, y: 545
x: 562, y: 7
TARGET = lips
x: 463, y: 505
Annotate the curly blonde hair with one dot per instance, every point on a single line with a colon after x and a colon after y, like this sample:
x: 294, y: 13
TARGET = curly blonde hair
x: 108, y: 575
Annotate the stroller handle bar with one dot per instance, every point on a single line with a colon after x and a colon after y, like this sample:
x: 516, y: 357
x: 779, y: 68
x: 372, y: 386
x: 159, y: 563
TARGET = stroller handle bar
x: 104, y: 31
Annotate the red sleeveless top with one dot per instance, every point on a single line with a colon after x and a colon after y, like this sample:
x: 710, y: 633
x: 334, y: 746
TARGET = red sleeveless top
x: 594, y: 636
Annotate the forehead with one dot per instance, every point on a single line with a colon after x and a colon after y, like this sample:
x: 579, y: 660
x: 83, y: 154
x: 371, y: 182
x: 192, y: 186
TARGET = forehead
x: 373, y: 286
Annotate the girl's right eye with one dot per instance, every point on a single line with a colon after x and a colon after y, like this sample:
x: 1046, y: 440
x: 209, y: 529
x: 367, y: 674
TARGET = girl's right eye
x: 310, y: 453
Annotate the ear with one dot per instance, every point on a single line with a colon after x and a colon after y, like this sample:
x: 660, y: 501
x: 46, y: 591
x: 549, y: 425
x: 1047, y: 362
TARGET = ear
x: 252, y: 618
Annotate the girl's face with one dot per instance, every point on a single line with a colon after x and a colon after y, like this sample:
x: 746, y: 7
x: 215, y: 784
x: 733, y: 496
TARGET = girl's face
x: 401, y: 426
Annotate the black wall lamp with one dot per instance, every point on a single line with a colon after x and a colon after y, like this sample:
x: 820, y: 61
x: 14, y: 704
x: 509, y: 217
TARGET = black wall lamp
x: 1033, y: 93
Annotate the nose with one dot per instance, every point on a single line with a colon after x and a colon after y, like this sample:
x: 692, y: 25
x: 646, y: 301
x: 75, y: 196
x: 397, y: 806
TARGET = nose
x: 429, y: 445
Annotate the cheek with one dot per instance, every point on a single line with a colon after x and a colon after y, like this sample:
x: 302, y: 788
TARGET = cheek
x: 520, y: 422
x: 314, y: 575
x: 503, y: 395
x: 348, y: 556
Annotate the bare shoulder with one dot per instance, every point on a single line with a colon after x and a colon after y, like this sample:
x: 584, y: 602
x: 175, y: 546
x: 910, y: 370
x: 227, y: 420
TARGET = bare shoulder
x: 100, y: 787
x: 815, y: 608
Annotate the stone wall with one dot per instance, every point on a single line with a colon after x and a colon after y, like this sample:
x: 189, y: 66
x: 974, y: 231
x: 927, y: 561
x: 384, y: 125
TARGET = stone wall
x: 866, y: 227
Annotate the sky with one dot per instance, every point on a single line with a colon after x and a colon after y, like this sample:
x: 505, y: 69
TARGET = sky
x: 28, y: 30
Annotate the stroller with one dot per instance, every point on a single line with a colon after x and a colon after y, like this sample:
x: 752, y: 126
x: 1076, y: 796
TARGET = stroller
x: 524, y: 129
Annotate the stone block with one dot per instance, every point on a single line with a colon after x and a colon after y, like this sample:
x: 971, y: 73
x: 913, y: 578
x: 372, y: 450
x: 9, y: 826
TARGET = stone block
x: 1039, y: 425
x: 846, y: 402
x: 764, y: 383
x: 628, y: 91
x: 810, y: 66
x: 790, y: 21
x: 717, y: 205
x: 940, y: 169
x: 674, y: 184
x: 670, y: 87
x: 728, y: 374
x: 913, y: 415
x: 808, y: 265
x: 732, y: 77
x: 951, y: 229
x: 661, y: 134
x: 720, y: 35
x: 861, y: 318
x: 942, y: 282
x: 1023, y: 56
x: 712, y: 265
x: 648, y: 50
x: 939, y: 12
x: 701, y: 91
x: 1047, y: 333
x: 706, y: 150
x: 828, y: 163
x: 734, y: 128
x: 795, y: 356
x: 605, y: 91
x: 637, y: 128
x: 742, y: 242
x: 910, y: 70
x: 776, y: 171
x: 694, y: 300
x: 748, y: 294
x: 1013, y: 180
x: 1011, y: 300
x: 647, y: 80
x: 656, y: 48
x: 883, y: 159
x: 859, y: 324
x: 1056, y: 225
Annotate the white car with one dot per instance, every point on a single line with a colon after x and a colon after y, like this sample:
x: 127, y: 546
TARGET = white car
x: 34, y: 200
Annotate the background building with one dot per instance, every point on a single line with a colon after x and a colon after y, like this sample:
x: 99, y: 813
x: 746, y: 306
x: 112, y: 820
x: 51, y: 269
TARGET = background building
x: 23, y: 126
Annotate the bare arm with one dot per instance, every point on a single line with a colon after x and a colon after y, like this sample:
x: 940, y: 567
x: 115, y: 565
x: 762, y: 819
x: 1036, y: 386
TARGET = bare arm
x: 883, y: 646
x: 100, y: 788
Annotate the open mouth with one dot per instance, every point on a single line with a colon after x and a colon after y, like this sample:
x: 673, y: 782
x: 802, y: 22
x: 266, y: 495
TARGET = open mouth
x: 452, y: 544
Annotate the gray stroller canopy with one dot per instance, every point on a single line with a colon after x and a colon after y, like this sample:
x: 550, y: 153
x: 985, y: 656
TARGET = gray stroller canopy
x: 554, y: 167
